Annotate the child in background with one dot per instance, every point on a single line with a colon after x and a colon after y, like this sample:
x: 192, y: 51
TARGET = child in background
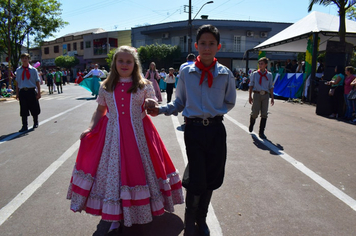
x: 123, y: 171
x: 49, y: 79
x: 170, y: 80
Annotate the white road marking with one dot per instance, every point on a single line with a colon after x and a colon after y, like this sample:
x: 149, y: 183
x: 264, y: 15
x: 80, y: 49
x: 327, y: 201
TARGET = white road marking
x: 27, y: 192
x: 40, y: 123
x: 211, y: 219
x: 301, y: 167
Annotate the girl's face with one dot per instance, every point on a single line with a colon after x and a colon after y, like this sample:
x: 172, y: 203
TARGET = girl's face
x: 347, y: 72
x: 152, y: 66
x: 125, y: 64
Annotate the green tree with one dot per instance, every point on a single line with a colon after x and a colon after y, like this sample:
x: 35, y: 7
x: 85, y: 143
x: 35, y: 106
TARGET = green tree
x: 110, y: 56
x: 162, y: 54
x: 343, y: 6
x: 38, y: 19
x: 66, y: 61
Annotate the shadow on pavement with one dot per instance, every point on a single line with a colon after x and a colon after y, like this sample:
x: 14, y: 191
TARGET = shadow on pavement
x: 260, y: 144
x: 15, y: 135
x: 91, y: 98
x: 166, y: 225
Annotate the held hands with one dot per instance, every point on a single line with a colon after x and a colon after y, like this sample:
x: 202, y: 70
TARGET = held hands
x: 151, y: 106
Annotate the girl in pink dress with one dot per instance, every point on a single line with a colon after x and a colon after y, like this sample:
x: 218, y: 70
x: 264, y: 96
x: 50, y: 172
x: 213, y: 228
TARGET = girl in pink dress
x: 152, y: 75
x: 123, y: 171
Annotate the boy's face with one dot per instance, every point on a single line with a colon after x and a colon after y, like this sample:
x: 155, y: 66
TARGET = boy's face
x: 25, y: 61
x: 207, y: 47
x: 262, y: 65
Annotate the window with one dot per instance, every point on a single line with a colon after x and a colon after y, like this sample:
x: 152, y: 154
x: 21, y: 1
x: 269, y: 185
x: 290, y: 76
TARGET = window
x: 56, y: 49
x: 182, y: 43
x: 140, y: 43
x: 46, y: 50
x: 157, y: 41
x: 81, y: 45
x: 69, y: 47
x: 87, y: 44
x: 75, y: 46
x: 113, y: 42
x: 175, y: 41
x: 237, y: 44
x: 99, y: 46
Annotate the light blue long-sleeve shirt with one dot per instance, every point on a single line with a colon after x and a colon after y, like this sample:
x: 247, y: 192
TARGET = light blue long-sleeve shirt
x: 200, y: 101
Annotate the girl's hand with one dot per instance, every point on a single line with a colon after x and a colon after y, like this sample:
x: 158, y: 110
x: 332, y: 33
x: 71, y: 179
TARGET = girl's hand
x: 150, y: 103
x: 85, y: 132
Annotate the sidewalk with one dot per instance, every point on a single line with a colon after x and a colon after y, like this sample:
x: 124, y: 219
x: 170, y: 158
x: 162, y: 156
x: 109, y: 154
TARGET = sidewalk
x: 13, y: 97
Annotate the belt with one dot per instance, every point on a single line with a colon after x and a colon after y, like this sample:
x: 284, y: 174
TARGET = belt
x: 26, y: 89
x: 260, y: 92
x: 204, y: 122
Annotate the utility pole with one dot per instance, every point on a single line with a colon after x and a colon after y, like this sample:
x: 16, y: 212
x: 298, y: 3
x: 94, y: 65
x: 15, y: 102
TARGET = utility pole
x: 190, y: 27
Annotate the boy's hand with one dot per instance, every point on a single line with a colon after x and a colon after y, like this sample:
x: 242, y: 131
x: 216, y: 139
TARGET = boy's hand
x: 150, y: 103
x: 250, y: 100
x: 153, y: 111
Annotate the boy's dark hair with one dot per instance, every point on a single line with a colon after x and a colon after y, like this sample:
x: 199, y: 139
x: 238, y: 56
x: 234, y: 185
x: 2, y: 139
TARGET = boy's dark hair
x: 190, y: 57
x: 264, y: 59
x: 208, y: 29
x: 25, y: 55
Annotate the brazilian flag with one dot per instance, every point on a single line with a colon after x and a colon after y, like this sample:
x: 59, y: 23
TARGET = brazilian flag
x: 308, y: 64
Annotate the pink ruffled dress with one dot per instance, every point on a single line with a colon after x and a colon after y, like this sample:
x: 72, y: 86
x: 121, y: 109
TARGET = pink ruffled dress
x: 150, y: 75
x: 123, y: 170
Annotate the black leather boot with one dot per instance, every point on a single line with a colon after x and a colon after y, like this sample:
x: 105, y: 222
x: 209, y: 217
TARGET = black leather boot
x: 202, y: 213
x: 262, y: 128
x: 191, y: 209
x: 35, y: 122
x: 252, y: 123
x: 102, y: 228
x: 24, y: 124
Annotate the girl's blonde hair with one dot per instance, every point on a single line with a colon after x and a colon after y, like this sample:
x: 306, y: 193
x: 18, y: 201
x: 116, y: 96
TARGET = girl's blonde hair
x: 137, y: 81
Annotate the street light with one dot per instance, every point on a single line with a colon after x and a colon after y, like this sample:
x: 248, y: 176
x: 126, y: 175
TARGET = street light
x: 190, y: 23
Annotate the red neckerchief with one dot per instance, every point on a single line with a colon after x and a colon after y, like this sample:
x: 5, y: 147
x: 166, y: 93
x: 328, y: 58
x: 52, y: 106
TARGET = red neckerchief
x: 204, y: 69
x: 262, y: 75
x: 25, y: 70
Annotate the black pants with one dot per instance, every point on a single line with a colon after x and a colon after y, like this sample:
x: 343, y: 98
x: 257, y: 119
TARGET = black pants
x: 206, y: 151
x: 169, y: 91
x: 337, y: 101
x: 29, y: 103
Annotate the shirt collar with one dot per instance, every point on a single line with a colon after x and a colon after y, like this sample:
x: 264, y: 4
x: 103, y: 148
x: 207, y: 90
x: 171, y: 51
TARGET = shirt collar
x: 218, y: 70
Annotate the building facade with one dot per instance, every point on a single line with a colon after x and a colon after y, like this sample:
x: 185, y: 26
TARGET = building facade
x: 236, y: 38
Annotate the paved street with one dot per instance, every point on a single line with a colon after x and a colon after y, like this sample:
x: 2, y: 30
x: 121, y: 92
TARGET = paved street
x: 302, y: 181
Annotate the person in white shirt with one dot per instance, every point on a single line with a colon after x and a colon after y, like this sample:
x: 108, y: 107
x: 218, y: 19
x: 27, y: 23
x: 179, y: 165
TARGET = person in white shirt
x: 95, y: 72
x: 93, y: 83
x: 170, y: 80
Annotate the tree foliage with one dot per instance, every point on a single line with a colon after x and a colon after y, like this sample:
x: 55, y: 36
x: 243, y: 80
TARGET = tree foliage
x: 38, y: 19
x: 343, y: 6
x: 162, y: 54
x: 66, y: 61
x: 110, y: 56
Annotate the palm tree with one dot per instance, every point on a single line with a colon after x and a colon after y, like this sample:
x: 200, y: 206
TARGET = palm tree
x: 343, y: 6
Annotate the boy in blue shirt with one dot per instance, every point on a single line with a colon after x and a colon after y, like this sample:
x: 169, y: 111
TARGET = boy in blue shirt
x: 205, y: 92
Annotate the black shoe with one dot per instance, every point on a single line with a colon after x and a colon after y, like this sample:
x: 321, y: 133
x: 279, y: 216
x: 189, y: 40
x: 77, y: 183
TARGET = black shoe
x: 191, y: 209
x: 252, y: 123
x: 262, y: 136
x: 23, y: 129
x: 35, y: 126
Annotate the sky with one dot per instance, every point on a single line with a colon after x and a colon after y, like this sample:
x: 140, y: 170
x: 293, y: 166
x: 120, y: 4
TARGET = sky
x: 124, y: 14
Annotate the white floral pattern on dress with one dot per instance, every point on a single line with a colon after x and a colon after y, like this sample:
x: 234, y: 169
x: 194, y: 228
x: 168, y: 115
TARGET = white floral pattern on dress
x: 107, y: 192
